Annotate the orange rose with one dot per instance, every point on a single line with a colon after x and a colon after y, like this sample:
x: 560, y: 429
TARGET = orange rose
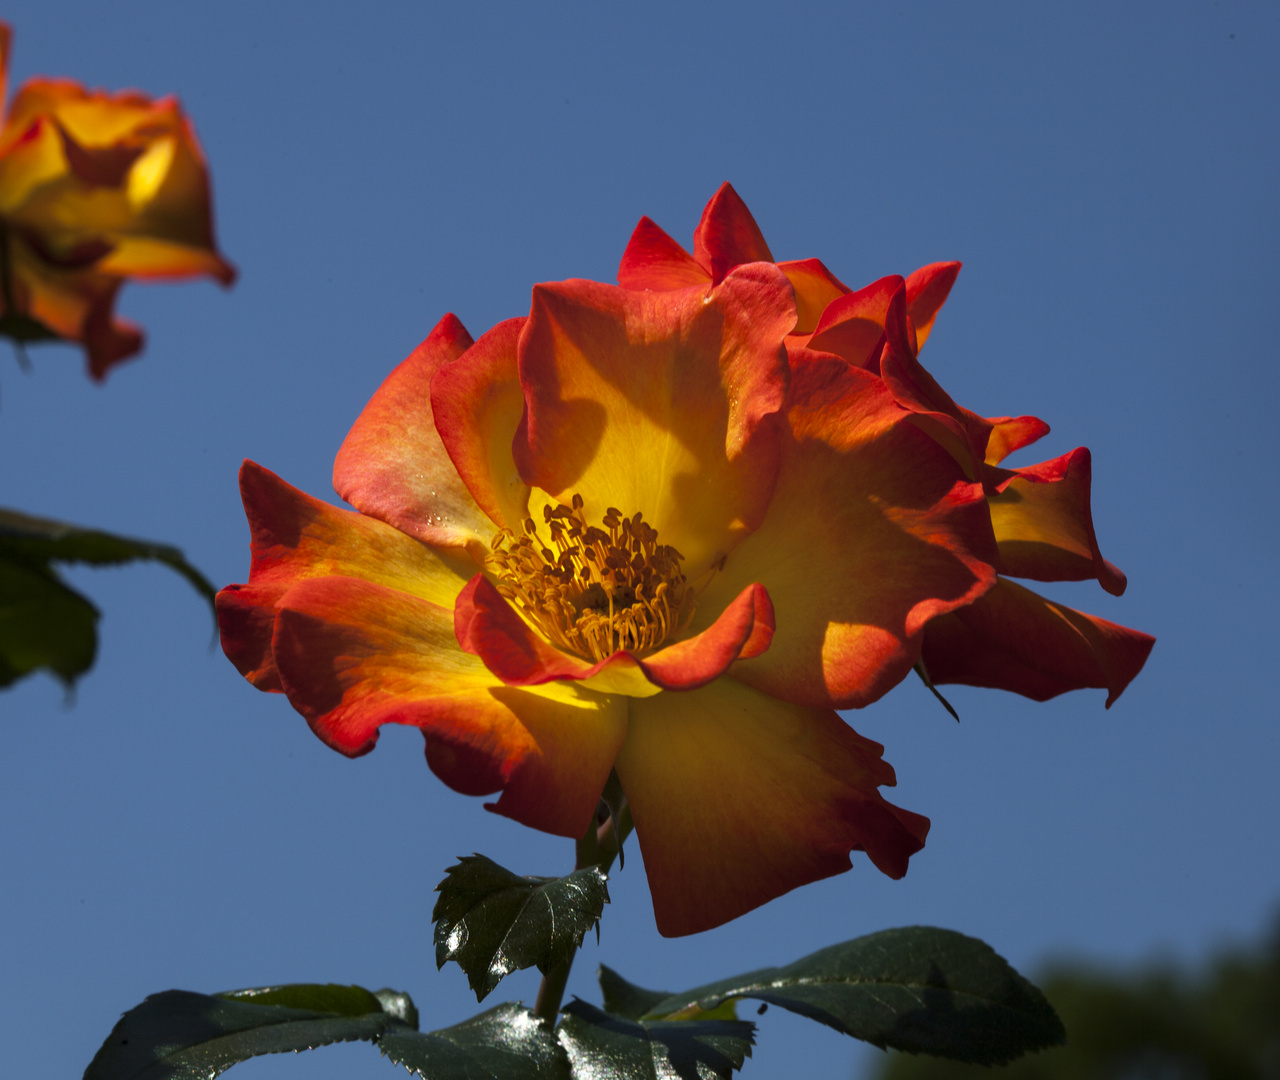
x: 665, y: 530
x: 95, y: 188
x: 1010, y: 638
x: 626, y: 532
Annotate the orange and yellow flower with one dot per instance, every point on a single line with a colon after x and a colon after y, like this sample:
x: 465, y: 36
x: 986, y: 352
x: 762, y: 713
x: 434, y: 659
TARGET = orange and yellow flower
x: 95, y: 188
x: 649, y: 529
x: 1010, y: 638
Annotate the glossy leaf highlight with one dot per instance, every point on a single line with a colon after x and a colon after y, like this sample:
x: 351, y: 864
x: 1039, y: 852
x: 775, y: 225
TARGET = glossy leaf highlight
x: 916, y: 988
x: 179, y: 1035
x: 493, y: 922
x: 605, y: 1047
x: 506, y: 1043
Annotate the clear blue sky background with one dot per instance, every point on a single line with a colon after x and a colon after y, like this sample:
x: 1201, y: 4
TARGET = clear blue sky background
x: 1108, y: 174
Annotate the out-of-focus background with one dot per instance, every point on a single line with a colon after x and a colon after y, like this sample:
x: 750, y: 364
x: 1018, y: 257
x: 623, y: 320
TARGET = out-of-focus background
x: 1107, y: 173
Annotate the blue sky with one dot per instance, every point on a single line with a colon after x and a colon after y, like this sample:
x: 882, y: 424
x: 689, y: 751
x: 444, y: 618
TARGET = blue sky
x: 1108, y: 175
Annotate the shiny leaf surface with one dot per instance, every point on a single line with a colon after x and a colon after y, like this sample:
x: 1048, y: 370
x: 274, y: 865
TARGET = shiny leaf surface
x: 605, y: 1047
x: 919, y: 988
x: 506, y: 1043
x: 179, y: 1035
x: 493, y: 922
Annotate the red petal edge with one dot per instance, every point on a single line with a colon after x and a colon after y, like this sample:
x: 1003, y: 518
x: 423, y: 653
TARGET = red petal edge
x: 1014, y: 639
x: 487, y: 626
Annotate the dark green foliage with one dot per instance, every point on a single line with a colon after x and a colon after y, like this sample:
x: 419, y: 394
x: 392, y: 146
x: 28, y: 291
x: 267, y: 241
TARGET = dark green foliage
x: 399, y: 1006
x: 493, y: 922
x: 43, y: 623
x: 917, y: 988
x: 605, y: 1047
x: 626, y: 999
x: 178, y: 1035
x: 506, y: 1043
x: 316, y: 997
x: 1222, y: 1023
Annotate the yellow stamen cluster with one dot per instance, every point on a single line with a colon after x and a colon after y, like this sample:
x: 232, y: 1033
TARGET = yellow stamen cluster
x: 593, y: 590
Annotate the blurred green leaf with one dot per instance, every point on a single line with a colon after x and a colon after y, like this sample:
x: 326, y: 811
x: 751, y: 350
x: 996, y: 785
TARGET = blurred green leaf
x: 604, y: 1047
x: 1219, y: 1020
x: 42, y: 540
x: 178, y: 1035
x: 506, y: 1043
x: 493, y: 922
x: 45, y: 624
x: 916, y: 988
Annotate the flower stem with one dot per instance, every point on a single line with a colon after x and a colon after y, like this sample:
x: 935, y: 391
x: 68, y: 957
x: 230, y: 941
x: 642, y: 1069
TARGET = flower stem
x: 551, y: 991
x: 599, y: 847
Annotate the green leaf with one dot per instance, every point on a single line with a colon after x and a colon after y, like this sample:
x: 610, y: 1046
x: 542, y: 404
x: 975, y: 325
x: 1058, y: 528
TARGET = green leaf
x: 41, y: 541
x: 604, y: 1047
x: 632, y: 1002
x: 625, y: 999
x: 917, y: 988
x: 506, y: 1043
x: 45, y: 624
x: 178, y: 1035
x: 398, y: 1005
x: 314, y: 997
x: 493, y: 922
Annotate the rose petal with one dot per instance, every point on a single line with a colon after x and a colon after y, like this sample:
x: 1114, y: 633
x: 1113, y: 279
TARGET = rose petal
x: 728, y: 236
x: 32, y: 157
x: 961, y: 433
x: 354, y: 655
x: 657, y: 403
x: 6, y: 36
x: 489, y: 627
x: 872, y: 531
x: 653, y: 260
x: 1014, y: 639
x: 393, y: 465
x: 129, y: 171
x: 108, y: 340
x: 170, y: 233
x: 853, y: 326
x: 1044, y: 525
x: 1010, y: 433
x: 94, y: 188
x: 477, y: 402
x: 74, y: 304
x: 294, y: 537
x: 738, y: 798
x: 927, y: 290
x: 816, y: 287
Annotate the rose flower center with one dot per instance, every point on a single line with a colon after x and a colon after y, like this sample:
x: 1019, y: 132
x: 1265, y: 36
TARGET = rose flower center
x: 593, y: 591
